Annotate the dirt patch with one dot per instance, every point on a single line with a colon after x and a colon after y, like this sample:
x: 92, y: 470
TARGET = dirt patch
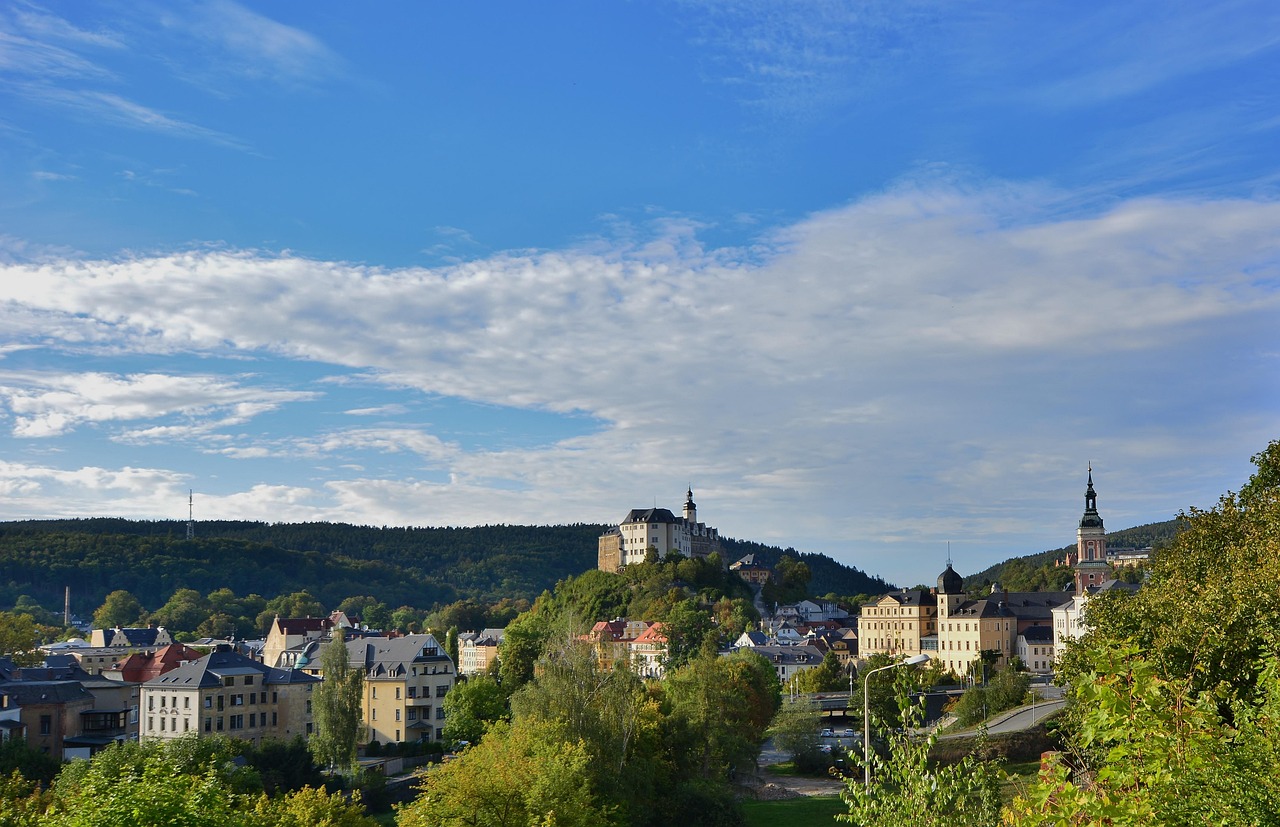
x: 773, y: 786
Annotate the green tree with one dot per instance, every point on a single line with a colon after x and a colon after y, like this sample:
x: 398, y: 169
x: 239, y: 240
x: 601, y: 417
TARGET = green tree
x: 522, y: 645
x: 336, y: 707
x: 907, y: 791
x: 185, y: 610
x: 687, y: 628
x: 297, y: 604
x: 312, y: 807
x: 515, y: 777
x: 119, y: 609
x: 25, y: 605
x: 794, y: 730
x: 471, y: 707
x: 828, y: 676
x: 19, y: 639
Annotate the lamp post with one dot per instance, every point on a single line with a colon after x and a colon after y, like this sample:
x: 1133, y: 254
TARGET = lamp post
x: 866, y: 713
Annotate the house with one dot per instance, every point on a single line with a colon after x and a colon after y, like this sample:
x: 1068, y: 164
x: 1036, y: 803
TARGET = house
x: 789, y: 661
x: 406, y: 680
x: 49, y: 711
x: 648, y: 652
x: 896, y: 623
x: 657, y: 530
x: 140, y: 667
x: 477, y: 650
x: 228, y: 693
x: 752, y: 570
x: 288, y: 636
x: 113, y: 716
x: 750, y: 639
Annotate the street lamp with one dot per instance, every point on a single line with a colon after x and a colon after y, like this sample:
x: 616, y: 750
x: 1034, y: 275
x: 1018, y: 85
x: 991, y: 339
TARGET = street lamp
x: 866, y: 712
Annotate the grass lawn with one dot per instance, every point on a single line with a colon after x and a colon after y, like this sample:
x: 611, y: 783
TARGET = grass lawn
x: 1017, y: 775
x: 807, y: 811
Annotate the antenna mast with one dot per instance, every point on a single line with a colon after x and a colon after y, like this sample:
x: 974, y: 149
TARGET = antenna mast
x: 191, y: 523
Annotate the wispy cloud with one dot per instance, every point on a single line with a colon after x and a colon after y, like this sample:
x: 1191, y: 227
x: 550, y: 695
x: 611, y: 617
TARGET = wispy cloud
x: 48, y: 405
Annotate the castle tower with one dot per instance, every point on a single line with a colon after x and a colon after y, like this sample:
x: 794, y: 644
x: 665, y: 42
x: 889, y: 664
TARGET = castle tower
x: 1091, y: 544
x: 950, y: 592
x: 690, y: 510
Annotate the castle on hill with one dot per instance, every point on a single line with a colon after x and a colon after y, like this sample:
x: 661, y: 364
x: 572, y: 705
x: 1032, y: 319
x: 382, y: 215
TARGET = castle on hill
x: 657, y: 530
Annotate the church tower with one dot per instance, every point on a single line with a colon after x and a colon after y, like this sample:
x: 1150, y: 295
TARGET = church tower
x: 950, y: 592
x: 1091, y: 544
x: 690, y: 510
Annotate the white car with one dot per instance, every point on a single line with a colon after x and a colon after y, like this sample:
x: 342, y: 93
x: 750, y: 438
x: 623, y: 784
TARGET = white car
x: 826, y: 733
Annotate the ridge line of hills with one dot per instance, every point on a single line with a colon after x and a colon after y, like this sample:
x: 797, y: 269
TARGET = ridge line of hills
x: 420, y: 567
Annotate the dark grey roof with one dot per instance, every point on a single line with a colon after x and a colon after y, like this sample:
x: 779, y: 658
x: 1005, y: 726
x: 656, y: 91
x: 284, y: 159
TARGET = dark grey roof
x: 789, y: 655
x: 651, y: 515
x: 30, y: 693
x: 213, y: 667
x: 389, y: 657
x: 913, y: 597
x: 950, y: 582
x: 1117, y: 585
x: 1038, y: 634
x: 1021, y: 605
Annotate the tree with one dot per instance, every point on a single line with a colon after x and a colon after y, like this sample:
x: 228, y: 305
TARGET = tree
x: 185, y: 610
x: 795, y: 731
x: 516, y: 777
x: 828, y: 676
x: 312, y: 807
x: 471, y: 707
x: 19, y: 639
x: 298, y: 604
x: 521, y: 647
x: 336, y: 707
x: 686, y: 628
x: 906, y: 791
x: 119, y: 609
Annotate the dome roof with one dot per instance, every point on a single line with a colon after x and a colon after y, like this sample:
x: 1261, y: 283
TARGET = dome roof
x: 949, y: 582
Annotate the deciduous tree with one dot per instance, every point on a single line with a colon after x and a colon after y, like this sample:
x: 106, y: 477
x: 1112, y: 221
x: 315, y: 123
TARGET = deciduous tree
x: 336, y: 707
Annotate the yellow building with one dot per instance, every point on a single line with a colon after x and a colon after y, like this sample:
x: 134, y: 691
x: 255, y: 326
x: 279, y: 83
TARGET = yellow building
x: 405, y: 682
x: 898, y: 624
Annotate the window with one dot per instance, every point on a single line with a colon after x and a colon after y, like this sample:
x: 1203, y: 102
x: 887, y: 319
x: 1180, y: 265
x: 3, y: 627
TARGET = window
x: 374, y: 713
x: 248, y: 680
x: 412, y: 714
x: 397, y: 718
x: 228, y: 681
x: 397, y: 735
x: 208, y: 702
x: 253, y: 699
x: 253, y: 720
x: 186, y: 701
x: 221, y: 700
x: 375, y: 693
x: 440, y: 713
x: 151, y: 703
x: 162, y: 720
x: 273, y: 719
x: 219, y: 723
x: 151, y: 724
x: 237, y: 722
x: 208, y: 724
x: 397, y: 693
x: 441, y: 690
x: 413, y: 690
x: 275, y: 697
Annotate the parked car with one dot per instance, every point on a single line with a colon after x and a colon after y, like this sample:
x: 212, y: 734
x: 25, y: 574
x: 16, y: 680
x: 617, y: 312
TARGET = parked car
x: 849, y: 733
x: 826, y: 733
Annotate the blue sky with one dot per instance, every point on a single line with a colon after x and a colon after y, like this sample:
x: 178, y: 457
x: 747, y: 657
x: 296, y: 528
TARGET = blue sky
x: 870, y: 277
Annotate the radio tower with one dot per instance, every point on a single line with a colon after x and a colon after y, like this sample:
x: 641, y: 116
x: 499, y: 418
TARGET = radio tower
x: 191, y: 523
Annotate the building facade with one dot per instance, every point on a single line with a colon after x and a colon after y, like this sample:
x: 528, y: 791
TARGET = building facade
x: 406, y: 680
x: 227, y: 693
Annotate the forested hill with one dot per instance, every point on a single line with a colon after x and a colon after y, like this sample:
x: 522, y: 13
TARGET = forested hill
x: 420, y: 567
x: 1032, y: 572
x: 827, y: 575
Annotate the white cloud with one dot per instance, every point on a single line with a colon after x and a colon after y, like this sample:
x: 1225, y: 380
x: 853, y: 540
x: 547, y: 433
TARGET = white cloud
x: 934, y: 363
x: 46, y: 405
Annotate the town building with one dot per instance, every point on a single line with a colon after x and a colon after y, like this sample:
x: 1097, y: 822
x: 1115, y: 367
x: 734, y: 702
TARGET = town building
x: 657, y: 531
x: 478, y: 650
x: 752, y: 570
x: 228, y: 694
x: 406, y: 680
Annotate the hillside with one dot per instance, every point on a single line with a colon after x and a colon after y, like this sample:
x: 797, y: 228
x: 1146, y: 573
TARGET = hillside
x: 1153, y: 535
x: 419, y: 567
